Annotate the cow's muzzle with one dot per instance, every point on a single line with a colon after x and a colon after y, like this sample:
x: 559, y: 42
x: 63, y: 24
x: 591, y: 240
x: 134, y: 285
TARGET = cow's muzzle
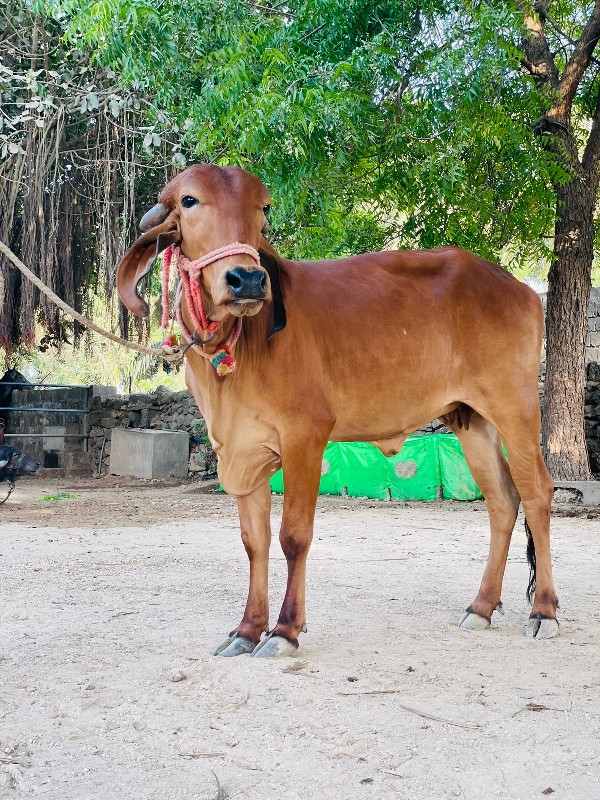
x: 245, y: 284
x: 27, y: 466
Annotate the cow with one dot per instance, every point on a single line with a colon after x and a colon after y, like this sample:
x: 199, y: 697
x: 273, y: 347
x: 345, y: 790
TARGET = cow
x: 13, y: 465
x: 11, y: 376
x: 284, y: 356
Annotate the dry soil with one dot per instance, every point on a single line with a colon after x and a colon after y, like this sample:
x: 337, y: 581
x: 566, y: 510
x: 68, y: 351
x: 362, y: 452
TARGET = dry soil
x: 111, y: 602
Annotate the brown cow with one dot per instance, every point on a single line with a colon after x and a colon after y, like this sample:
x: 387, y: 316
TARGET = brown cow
x: 375, y: 346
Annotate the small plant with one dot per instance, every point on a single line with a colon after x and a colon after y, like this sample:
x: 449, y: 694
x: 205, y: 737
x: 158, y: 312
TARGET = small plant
x: 52, y: 498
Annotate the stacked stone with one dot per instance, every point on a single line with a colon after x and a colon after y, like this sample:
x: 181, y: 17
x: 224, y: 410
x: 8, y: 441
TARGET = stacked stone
x: 592, y: 416
x: 161, y: 410
x: 592, y: 340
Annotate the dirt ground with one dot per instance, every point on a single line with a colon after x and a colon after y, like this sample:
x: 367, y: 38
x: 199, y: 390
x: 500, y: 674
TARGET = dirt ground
x: 111, y: 602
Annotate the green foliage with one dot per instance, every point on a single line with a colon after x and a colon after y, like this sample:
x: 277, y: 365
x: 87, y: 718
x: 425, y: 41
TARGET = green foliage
x: 373, y: 123
x: 96, y: 360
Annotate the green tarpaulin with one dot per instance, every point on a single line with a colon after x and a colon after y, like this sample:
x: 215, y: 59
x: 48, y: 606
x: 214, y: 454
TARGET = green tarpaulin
x: 414, y: 472
x: 457, y: 481
x: 428, y: 467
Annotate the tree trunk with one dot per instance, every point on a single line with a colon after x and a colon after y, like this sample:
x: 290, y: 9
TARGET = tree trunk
x: 569, y: 283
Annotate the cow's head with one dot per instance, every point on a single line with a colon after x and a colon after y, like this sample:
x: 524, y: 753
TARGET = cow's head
x: 203, y: 209
x: 14, y: 376
x: 14, y: 463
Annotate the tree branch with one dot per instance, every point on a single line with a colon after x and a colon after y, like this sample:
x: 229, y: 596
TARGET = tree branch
x: 579, y: 62
x: 591, y: 154
x: 538, y: 60
x: 565, y: 36
x: 310, y: 33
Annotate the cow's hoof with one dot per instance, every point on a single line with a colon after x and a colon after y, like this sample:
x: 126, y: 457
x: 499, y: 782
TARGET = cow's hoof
x: 274, y: 647
x: 541, y: 627
x: 234, y: 645
x: 471, y: 621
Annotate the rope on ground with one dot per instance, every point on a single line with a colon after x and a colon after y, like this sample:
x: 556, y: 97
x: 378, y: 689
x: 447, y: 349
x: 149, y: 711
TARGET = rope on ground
x: 87, y: 323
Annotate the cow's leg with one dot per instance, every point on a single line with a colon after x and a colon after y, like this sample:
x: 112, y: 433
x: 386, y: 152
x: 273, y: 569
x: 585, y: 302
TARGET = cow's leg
x: 255, y: 523
x: 302, y: 474
x: 483, y: 452
x: 535, y: 485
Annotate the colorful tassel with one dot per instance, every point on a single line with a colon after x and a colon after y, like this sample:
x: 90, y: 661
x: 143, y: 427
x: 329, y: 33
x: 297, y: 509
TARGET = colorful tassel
x: 223, y: 361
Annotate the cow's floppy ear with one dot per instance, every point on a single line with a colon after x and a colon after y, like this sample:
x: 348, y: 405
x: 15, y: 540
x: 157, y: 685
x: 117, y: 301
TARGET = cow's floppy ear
x: 138, y: 260
x: 272, y: 263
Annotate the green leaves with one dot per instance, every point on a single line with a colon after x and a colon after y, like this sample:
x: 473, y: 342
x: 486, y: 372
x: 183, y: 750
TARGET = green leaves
x: 371, y: 122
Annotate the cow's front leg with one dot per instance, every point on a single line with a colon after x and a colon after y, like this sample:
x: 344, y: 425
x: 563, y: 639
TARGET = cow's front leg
x: 302, y: 474
x: 254, y: 510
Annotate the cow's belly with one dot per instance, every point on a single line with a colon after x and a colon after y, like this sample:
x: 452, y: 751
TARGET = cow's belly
x: 387, y: 428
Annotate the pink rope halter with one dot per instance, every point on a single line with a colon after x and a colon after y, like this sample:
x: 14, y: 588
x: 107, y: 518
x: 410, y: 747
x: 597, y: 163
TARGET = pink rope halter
x: 189, y: 285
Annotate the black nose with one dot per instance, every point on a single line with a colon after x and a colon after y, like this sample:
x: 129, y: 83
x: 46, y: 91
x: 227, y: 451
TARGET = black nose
x: 247, y: 284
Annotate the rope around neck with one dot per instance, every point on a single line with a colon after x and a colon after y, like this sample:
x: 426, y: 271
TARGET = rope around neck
x: 222, y: 359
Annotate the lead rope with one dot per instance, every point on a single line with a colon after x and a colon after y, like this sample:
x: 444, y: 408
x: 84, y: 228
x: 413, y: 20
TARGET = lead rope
x: 11, y: 488
x: 173, y: 354
x: 87, y: 323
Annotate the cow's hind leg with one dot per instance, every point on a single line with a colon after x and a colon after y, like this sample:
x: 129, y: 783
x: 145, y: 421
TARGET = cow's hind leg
x: 533, y: 481
x: 302, y: 474
x: 483, y: 451
x: 254, y: 511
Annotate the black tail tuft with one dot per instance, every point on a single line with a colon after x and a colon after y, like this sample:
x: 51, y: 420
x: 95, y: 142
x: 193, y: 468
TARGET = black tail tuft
x: 531, y: 560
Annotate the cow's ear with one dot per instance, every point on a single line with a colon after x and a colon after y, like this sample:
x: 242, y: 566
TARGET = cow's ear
x: 270, y: 260
x: 3, y: 463
x: 138, y: 261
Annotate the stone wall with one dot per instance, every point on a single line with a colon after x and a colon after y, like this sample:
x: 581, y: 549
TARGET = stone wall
x: 165, y: 410
x: 73, y: 442
x: 592, y: 416
x: 592, y: 394
x: 161, y: 410
x: 592, y: 342
x: 55, y: 434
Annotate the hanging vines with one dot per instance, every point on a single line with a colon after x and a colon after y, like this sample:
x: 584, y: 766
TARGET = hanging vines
x: 71, y: 143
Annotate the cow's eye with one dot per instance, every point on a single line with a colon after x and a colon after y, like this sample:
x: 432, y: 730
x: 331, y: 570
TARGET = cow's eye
x: 188, y: 201
x: 266, y: 210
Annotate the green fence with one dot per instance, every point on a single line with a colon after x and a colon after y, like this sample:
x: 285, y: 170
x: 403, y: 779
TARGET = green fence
x: 428, y: 467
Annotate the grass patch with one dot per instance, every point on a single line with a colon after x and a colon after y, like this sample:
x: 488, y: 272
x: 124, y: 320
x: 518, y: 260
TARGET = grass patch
x: 52, y: 498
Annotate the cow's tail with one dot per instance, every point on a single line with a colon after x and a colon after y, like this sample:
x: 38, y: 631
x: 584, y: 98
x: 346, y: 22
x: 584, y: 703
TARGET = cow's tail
x: 531, y: 561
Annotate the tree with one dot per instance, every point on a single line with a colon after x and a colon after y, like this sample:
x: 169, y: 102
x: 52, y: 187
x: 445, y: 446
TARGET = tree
x: 559, y: 44
x: 70, y: 144
x: 372, y: 122
x: 377, y: 123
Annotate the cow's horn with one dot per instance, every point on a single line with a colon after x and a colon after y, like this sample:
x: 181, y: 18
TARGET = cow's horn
x: 154, y: 217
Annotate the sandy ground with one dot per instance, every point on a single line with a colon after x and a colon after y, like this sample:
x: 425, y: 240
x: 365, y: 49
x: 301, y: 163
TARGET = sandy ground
x: 111, y: 602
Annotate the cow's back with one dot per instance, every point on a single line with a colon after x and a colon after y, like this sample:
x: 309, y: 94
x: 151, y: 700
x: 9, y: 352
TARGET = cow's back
x: 407, y: 330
